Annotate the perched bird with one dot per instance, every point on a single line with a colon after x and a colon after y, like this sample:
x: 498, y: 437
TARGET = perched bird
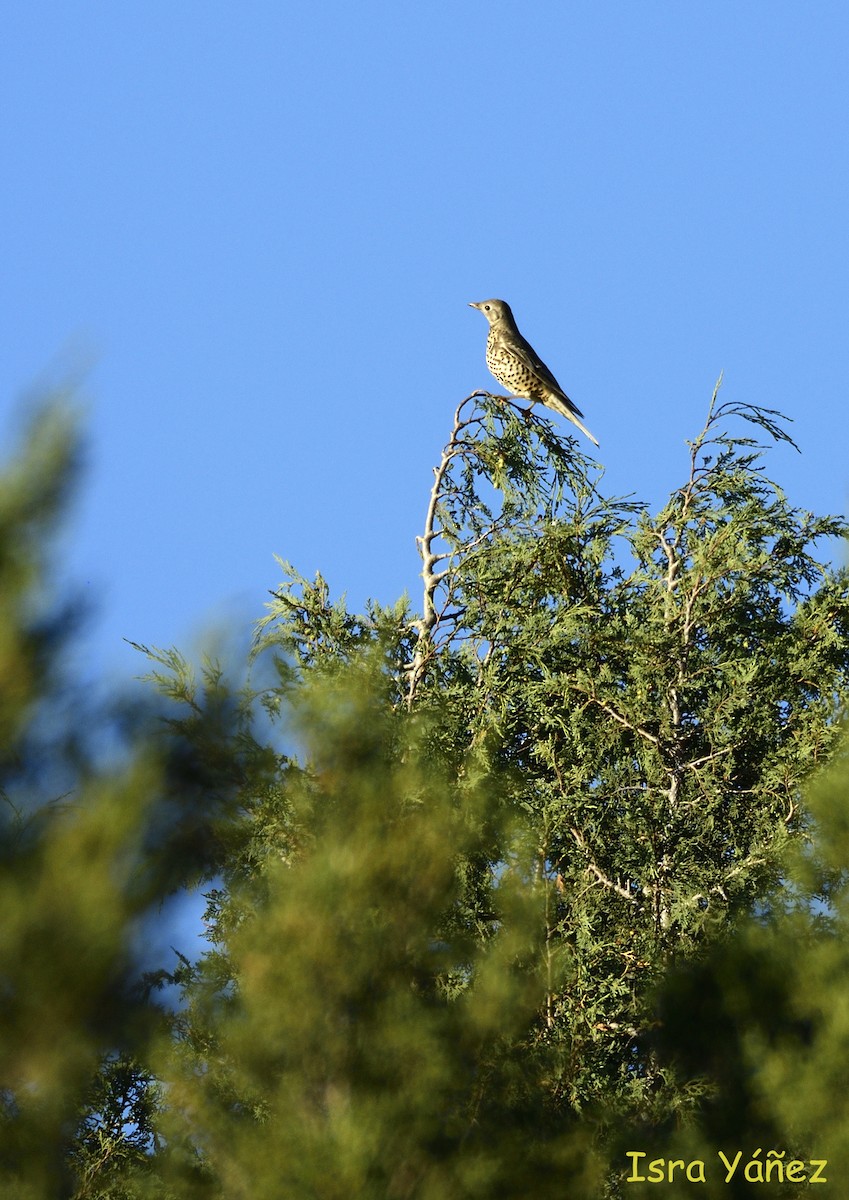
x: 518, y: 367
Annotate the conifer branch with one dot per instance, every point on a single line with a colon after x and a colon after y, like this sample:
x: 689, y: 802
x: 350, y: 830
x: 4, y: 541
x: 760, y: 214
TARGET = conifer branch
x: 425, y: 625
x: 596, y: 871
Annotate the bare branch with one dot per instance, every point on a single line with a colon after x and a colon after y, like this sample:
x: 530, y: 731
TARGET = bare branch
x: 425, y: 625
x: 617, y: 716
x: 596, y: 871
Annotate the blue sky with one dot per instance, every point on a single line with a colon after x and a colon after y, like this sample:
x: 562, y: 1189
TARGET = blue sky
x: 261, y: 224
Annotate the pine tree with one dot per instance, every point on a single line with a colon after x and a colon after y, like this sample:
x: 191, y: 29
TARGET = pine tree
x: 104, y: 813
x: 468, y: 869
x: 646, y: 697
x: 353, y: 1033
x: 761, y: 1016
x: 653, y: 692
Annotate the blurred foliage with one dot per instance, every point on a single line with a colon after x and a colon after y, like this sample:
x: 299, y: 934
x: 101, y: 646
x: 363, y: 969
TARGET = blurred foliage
x: 764, y: 1017
x: 495, y: 894
x: 354, y: 1037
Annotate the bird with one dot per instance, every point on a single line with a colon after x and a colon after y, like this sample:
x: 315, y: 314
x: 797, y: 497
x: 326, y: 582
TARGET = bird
x: 517, y: 366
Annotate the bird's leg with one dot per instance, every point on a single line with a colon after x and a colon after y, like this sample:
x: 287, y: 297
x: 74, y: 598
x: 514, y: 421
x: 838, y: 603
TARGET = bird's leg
x: 513, y: 400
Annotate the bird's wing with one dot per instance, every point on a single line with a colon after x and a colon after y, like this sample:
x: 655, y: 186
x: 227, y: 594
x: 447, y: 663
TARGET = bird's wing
x: 526, y: 354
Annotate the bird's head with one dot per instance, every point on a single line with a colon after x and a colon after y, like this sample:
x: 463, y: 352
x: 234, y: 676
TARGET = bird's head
x: 493, y: 310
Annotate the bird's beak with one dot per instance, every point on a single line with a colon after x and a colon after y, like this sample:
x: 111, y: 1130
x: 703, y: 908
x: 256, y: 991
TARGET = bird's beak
x: 474, y: 304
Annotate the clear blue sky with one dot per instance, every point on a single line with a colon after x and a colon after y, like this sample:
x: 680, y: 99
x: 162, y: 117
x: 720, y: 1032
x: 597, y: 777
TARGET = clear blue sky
x: 262, y: 223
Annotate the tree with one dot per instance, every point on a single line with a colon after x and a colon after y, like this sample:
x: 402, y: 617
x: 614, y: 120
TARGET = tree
x: 105, y: 813
x: 647, y: 727
x: 460, y: 883
x: 762, y: 1015
x: 656, y: 719
x: 351, y: 1034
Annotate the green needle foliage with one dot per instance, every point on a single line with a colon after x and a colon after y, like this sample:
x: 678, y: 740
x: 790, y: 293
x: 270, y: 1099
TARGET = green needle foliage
x: 652, y: 690
x: 105, y: 814
x: 353, y: 1036
x: 496, y: 889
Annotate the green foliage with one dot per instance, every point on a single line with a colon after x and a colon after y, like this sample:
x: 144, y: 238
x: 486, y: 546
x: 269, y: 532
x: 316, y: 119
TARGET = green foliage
x: 763, y: 1016
x: 32, y: 489
x: 114, y: 1150
x: 65, y: 866
x: 652, y: 691
x: 106, y: 813
x: 370, y: 1045
x: 496, y: 891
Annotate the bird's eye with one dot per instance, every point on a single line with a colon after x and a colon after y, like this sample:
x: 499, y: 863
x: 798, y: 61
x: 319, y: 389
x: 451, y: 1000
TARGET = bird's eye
x: 486, y: 306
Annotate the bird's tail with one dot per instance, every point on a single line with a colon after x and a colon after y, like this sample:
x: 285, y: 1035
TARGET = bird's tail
x: 557, y: 404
